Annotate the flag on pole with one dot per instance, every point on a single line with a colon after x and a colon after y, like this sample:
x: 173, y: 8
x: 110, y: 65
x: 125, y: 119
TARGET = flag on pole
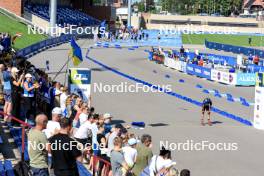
x: 75, y: 53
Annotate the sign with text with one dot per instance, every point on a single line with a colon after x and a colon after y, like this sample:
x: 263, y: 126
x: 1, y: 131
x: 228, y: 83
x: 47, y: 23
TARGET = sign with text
x: 80, y: 82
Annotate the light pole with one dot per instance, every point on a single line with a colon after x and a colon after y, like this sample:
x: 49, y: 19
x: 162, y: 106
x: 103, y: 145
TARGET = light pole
x: 53, y: 16
x: 129, y: 13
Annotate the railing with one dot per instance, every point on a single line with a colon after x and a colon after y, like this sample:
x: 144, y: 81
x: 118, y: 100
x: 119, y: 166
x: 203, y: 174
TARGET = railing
x: 47, y: 43
x: 106, y: 165
x: 24, y: 125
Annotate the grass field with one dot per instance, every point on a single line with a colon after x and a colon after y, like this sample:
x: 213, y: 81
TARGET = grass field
x: 239, y: 40
x: 13, y: 26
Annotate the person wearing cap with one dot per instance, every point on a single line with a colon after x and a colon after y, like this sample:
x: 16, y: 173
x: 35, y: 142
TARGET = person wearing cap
x: 130, y: 152
x: 107, y: 122
x: 16, y: 90
x: 53, y: 125
x: 28, y: 94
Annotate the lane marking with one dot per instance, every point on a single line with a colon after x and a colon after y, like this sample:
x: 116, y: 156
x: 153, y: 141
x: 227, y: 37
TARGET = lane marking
x: 177, y: 95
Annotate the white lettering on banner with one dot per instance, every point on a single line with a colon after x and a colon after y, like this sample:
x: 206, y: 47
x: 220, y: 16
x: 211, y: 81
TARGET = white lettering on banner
x: 246, y: 78
x: 197, y: 70
x: 207, y: 73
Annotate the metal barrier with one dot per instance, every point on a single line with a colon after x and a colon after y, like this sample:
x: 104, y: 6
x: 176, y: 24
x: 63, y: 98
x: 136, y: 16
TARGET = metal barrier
x: 24, y: 125
x: 106, y: 165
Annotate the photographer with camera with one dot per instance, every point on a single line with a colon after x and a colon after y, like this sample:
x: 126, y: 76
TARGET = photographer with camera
x: 29, y: 95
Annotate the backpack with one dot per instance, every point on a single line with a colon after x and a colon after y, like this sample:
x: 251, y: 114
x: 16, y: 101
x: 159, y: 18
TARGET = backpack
x: 22, y: 168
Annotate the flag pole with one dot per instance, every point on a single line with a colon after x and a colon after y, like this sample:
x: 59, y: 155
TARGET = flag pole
x: 66, y: 73
x: 66, y: 63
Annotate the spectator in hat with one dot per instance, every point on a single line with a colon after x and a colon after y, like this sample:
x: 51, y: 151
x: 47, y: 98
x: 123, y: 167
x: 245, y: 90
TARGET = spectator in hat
x: 28, y: 95
x: 53, y: 126
x: 107, y: 122
x: 16, y: 92
x: 130, y: 152
x: 38, y: 156
x: 144, y: 154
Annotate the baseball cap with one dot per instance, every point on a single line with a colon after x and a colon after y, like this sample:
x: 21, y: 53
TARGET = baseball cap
x: 28, y: 75
x: 107, y: 116
x: 57, y: 110
x: 132, y: 141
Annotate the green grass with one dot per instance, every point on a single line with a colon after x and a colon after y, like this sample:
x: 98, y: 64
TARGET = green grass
x: 238, y: 40
x: 13, y: 26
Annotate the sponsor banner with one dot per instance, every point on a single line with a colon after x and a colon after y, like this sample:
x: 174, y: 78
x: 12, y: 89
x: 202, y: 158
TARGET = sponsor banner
x: 223, y: 77
x: 172, y: 63
x: 80, y: 82
x: 246, y: 79
x: 259, y: 80
x: 259, y: 108
x: 198, y: 71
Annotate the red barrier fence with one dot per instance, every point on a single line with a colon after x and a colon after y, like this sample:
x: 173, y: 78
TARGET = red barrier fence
x: 95, y: 169
x: 23, y: 125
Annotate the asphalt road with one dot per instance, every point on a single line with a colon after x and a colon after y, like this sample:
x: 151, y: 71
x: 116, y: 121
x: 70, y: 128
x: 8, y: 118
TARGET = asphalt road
x: 168, y: 118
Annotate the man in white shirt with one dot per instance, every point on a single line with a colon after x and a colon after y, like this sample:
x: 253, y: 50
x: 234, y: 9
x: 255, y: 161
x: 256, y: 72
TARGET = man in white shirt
x: 130, y: 152
x: 53, y: 126
x: 84, y: 116
x: 88, y: 131
x: 63, y: 98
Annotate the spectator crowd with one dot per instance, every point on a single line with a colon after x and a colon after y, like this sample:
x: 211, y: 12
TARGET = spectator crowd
x: 66, y: 130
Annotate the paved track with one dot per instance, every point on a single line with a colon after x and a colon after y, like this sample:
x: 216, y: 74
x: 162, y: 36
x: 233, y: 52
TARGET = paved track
x: 168, y: 118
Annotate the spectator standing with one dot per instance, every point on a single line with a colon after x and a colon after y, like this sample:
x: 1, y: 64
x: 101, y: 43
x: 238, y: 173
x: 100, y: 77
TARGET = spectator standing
x: 2, y: 68
x: 144, y: 154
x: 36, y: 138
x: 53, y: 126
x: 29, y: 95
x: 57, y: 93
x: 16, y: 92
x: 102, y: 153
x: 64, y: 158
x: 7, y: 92
x: 63, y: 98
x: 115, y: 133
x: 130, y: 152
x: 76, y: 107
x: 118, y: 163
x: 161, y: 164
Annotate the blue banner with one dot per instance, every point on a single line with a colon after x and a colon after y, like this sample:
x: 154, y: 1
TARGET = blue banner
x: 246, y: 79
x: 234, y: 49
x: 198, y: 71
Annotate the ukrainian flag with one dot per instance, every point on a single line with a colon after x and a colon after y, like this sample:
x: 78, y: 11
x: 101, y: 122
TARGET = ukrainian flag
x: 75, y: 53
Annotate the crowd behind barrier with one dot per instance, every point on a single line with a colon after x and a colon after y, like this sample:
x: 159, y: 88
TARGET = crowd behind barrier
x: 35, y: 92
x: 213, y: 67
x: 234, y: 49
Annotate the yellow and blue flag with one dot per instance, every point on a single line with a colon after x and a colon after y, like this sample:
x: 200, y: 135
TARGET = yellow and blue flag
x: 75, y: 53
